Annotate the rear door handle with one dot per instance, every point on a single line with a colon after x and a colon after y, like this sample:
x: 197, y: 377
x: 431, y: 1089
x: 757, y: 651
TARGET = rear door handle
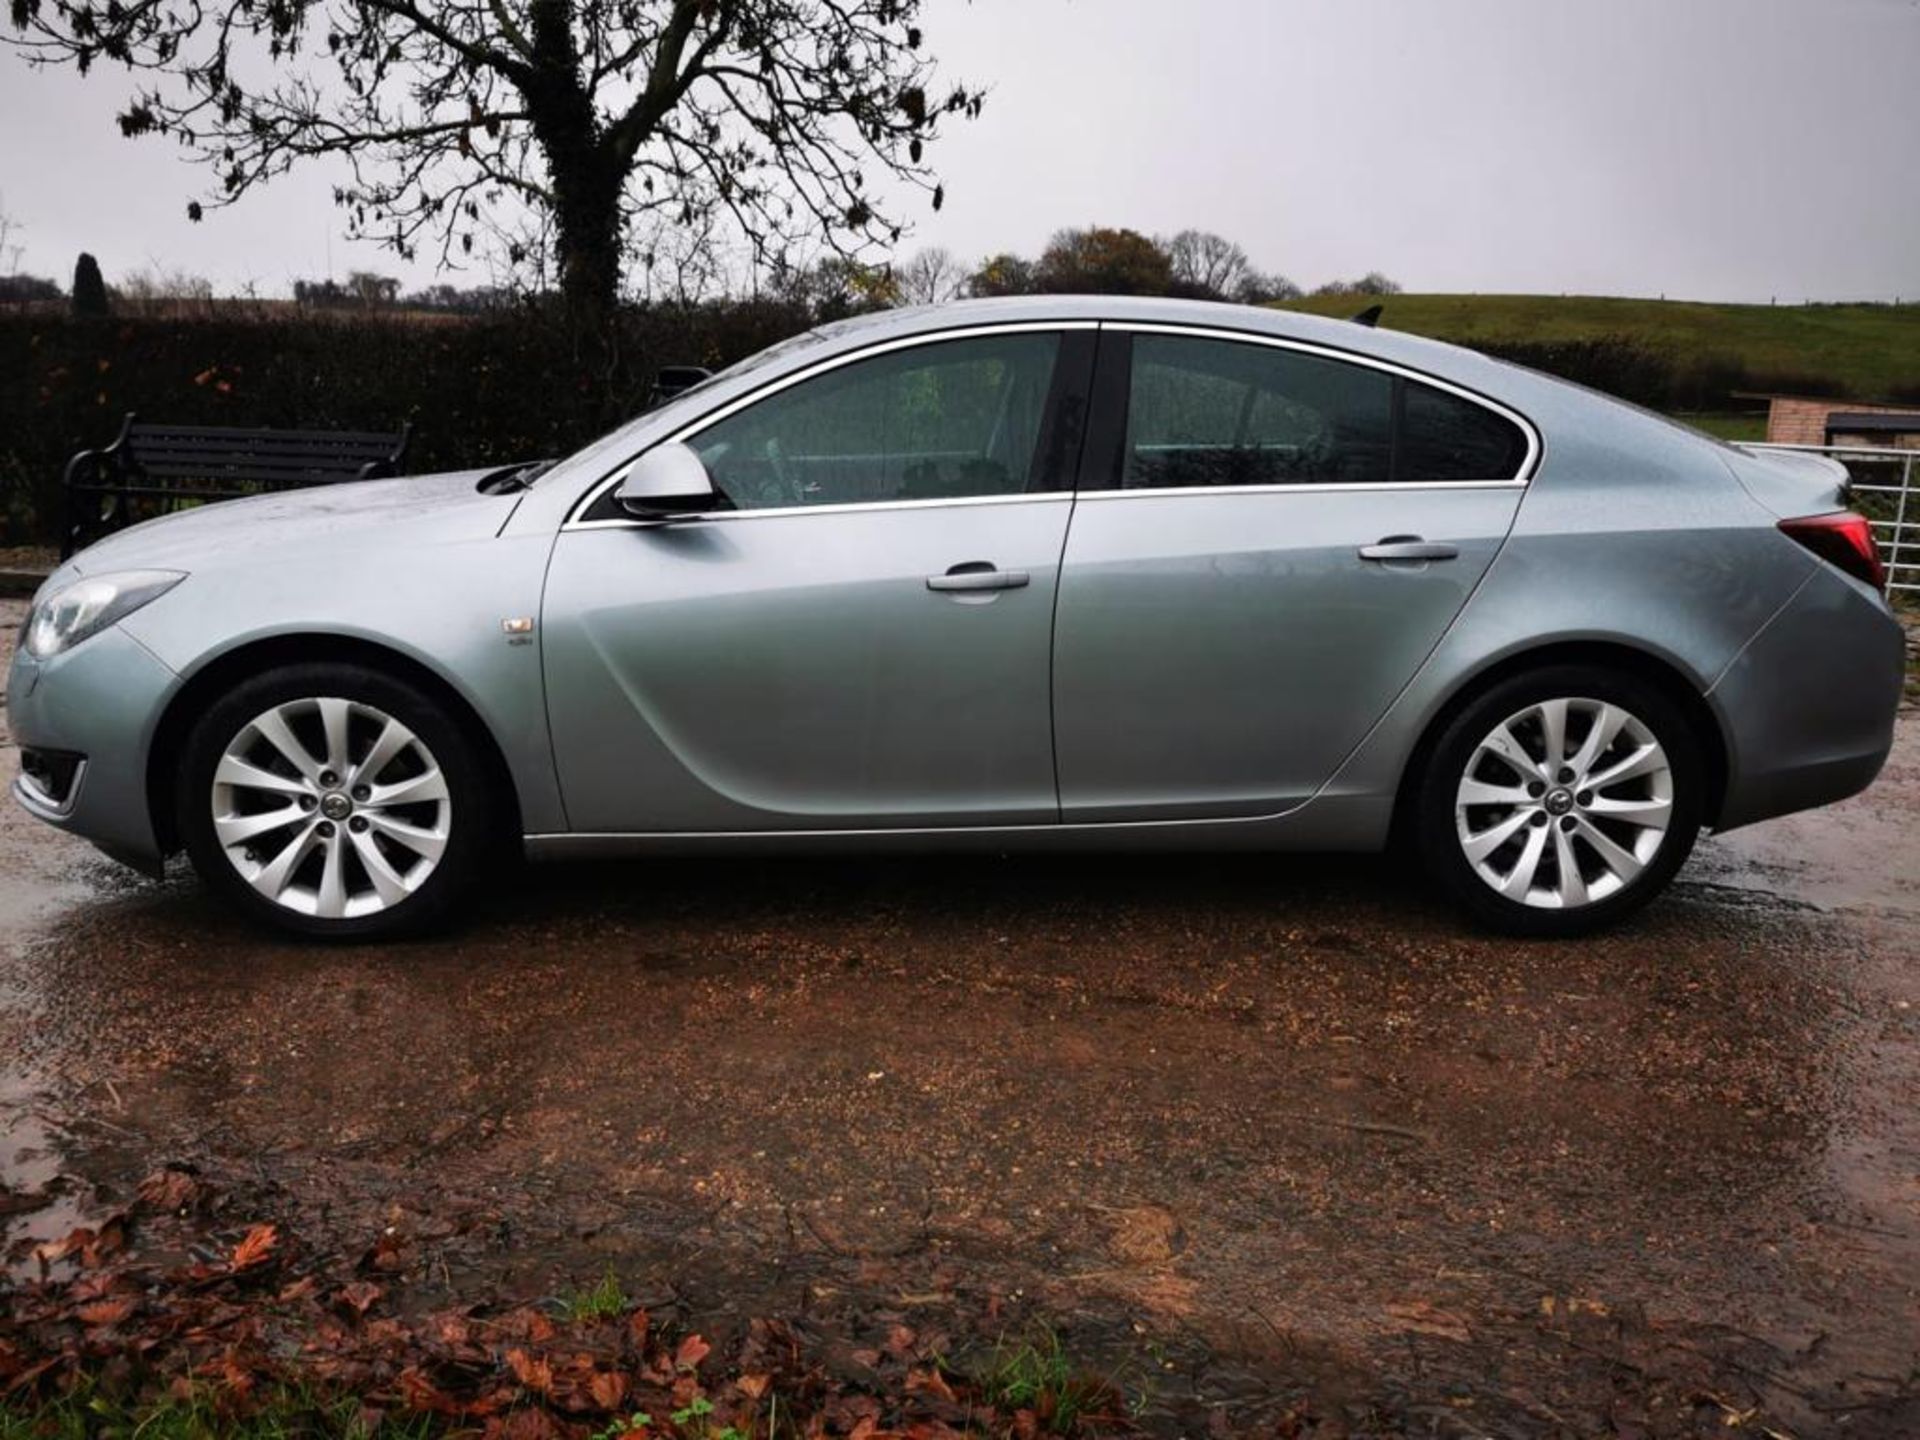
x: 1409, y: 547
x: 978, y: 575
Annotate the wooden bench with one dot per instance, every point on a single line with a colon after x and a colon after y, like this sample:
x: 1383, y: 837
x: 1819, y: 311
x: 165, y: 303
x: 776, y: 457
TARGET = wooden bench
x: 153, y: 469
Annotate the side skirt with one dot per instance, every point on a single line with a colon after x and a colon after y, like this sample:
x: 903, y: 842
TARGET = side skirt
x: 1330, y: 823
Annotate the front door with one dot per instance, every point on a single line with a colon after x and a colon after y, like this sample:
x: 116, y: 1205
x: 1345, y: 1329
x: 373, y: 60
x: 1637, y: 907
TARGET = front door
x: 861, y: 638
x: 1272, y: 541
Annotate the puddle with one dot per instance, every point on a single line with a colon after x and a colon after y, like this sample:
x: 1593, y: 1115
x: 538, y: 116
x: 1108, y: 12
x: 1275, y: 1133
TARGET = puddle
x: 39, y: 1201
x: 1861, y: 855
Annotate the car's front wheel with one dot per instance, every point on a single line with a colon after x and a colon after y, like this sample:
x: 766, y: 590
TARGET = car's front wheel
x: 1561, y: 800
x: 334, y: 800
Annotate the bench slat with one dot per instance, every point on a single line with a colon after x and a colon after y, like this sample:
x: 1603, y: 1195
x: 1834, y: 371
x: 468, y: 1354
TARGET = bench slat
x: 306, y: 447
x: 141, y: 451
x: 264, y: 463
x: 223, y: 432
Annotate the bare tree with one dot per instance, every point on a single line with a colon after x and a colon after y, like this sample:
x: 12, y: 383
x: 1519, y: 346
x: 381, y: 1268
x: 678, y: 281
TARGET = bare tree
x: 609, y: 119
x: 1259, y: 287
x: 158, y: 291
x: 373, y: 291
x: 1372, y: 283
x: 931, y: 277
x: 10, y: 248
x: 1205, y: 264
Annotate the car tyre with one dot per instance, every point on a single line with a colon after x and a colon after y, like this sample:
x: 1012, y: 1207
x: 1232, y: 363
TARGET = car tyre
x: 1560, y: 801
x: 336, y: 801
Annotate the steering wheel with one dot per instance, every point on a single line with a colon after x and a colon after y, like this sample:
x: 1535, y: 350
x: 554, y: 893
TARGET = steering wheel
x: 777, y: 461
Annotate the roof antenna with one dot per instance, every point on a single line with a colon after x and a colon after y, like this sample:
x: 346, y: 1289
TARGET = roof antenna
x: 1370, y: 316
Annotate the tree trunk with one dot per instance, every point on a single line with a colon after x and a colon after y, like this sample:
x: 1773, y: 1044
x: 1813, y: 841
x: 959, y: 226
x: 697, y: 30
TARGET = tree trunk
x: 583, y: 175
x: 588, y: 224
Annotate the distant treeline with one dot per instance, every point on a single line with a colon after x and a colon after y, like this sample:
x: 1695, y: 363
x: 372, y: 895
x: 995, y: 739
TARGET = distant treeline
x: 1098, y: 259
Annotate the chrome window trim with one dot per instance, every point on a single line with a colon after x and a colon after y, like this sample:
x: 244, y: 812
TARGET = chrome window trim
x: 1192, y: 492
x: 1536, y: 448
x: 833, y: 362
x: 788, y: 512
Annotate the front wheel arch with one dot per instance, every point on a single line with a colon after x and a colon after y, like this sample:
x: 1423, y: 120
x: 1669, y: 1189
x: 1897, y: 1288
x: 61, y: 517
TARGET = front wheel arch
x: 1603, y: 654
x: 244, y: 662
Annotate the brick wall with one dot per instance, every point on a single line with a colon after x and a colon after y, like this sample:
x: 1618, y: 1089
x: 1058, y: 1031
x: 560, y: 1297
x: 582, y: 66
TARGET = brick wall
x: 1804, y: 422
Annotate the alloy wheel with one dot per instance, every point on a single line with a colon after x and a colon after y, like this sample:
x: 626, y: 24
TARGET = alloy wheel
x: 1564, y: 803
x: 331, y: 808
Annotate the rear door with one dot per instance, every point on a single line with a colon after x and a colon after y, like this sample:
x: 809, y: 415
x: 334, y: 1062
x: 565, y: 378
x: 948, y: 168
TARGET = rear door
x: 1269, y: 540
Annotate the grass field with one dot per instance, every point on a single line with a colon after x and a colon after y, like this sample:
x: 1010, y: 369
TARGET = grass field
x: 1868, y: 350
x: 1727, y: 425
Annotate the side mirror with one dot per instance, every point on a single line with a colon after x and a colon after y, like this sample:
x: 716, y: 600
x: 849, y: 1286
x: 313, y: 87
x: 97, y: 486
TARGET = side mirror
x: 668, y: 480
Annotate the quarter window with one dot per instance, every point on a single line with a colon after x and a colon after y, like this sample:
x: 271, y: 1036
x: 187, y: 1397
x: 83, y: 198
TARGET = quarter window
x: 948, y: 420
x: 1447, y: 437
x: 1211, y: 413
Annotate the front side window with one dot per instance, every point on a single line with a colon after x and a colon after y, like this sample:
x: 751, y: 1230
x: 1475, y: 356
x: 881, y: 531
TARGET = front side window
x: 948, y: 420
x: 1208, y: 413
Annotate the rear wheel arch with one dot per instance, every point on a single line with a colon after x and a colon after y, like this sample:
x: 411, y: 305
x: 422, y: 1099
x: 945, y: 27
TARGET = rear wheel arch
x: 1603, y: 654
x: 225, y: 671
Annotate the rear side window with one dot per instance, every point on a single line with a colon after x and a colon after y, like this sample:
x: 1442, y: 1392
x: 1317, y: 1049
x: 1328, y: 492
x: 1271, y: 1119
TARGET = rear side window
x: 1211, y: 412
x: 1206, y: 413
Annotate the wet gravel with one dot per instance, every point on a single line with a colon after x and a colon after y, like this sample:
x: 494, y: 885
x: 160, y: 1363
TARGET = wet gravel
x: 1273, y: 1117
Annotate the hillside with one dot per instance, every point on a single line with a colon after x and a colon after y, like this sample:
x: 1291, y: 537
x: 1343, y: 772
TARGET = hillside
x: 1864, y: 351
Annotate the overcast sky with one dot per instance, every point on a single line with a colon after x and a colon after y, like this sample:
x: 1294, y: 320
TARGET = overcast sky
x: 1710, y: 149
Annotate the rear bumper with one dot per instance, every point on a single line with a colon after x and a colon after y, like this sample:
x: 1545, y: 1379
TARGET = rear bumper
x: 1808, y: 706
x: 98, y: 702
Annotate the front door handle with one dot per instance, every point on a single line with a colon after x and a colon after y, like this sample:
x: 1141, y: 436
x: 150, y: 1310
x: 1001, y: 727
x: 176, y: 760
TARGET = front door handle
x: 978, y: 575
x: 1409, y: 547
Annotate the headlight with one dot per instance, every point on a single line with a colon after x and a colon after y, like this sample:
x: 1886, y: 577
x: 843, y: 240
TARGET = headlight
x: 89, y: 605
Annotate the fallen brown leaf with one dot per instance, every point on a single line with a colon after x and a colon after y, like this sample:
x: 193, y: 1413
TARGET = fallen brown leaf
x: 929, y: 1382
x: 753, y: 1386
x: 530, y: 1370
x: 359, y: 1296
x: 255, y: 1246
x: 608, y: 1388
x: 107, y: 1312
x: 692, y: 1351
x: 1424, y: 1318
x: 171, y: 1190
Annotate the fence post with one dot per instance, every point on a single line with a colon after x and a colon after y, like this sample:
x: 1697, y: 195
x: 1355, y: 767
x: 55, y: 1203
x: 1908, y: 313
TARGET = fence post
x: 1899, y: 525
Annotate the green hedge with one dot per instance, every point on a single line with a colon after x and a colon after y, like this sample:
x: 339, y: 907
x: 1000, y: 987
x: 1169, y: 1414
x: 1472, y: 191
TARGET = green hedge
x: 480, y: 391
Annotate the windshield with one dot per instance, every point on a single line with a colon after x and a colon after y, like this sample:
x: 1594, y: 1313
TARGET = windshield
x: 615, y: 439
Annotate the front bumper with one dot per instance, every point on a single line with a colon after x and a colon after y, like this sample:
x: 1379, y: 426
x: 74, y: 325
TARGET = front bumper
x: 100, y: 701
x: 1808, y: 707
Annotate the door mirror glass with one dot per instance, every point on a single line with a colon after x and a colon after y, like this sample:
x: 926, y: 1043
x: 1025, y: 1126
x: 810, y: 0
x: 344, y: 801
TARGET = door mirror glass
x: 667, y: 480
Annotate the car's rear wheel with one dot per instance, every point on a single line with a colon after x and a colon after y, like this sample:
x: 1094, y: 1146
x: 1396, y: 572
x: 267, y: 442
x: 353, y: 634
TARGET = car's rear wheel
x: 336, y: 801
x: 1561, y: 801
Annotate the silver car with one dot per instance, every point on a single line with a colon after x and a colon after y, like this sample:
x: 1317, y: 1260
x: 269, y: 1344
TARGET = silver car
x: 1054, y: 573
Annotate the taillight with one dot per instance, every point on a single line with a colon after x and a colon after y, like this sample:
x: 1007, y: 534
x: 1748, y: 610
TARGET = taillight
x: 1843, y: 539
